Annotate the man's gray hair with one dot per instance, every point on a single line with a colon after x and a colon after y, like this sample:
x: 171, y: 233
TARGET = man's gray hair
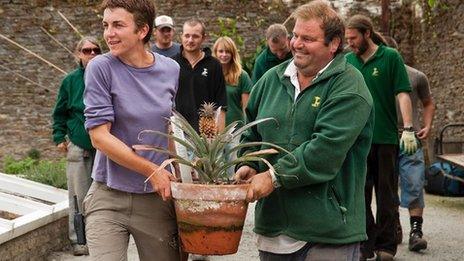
x: 275, y: 32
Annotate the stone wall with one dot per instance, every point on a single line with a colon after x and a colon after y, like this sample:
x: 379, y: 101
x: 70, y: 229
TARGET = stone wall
x: 433, y: 43
x: 439, y: 53
x: 25, y: 108
x: 37, y: 244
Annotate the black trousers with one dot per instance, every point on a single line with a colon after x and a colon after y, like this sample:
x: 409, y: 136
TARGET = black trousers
x: 383, y: 178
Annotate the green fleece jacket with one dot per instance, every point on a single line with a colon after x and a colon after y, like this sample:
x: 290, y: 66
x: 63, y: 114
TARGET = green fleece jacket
x: 68, y: 114
x: 328, y: 131
x: 265, y: 61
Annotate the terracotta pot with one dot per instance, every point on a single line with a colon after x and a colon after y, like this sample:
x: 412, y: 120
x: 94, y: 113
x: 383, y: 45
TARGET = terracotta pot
x: 210, y: 217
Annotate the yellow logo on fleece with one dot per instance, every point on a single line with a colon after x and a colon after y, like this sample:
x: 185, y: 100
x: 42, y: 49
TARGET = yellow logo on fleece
x: 316, y: 101
x: 375, y: 72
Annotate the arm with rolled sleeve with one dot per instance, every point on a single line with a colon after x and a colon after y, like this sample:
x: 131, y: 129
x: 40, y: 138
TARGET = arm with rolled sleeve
x: 99, y: 113
x: 402, y: 86
x: 97, y: 97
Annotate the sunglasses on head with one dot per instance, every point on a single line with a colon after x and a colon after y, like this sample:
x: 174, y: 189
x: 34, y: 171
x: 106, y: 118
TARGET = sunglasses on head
x: 88, y: 51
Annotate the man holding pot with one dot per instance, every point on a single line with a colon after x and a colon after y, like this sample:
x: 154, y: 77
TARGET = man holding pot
x: 311, y: 203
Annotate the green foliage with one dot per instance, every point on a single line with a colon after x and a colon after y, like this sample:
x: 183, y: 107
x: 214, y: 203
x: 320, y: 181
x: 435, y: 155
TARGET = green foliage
x: 12, y: 166
x: 48, y: 172
x: 432, y: 3
x: 34, y: 154
x: 228, y: 27
x: 248, y: 61
x: 437, y: 4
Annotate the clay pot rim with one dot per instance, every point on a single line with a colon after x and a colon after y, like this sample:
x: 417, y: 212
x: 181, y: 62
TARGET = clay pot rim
x: 209, y: 192
x: 176, y: 183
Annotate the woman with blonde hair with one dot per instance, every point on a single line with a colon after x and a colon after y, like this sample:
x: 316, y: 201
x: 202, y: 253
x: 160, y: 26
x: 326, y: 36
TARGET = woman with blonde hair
x: 238, y: 82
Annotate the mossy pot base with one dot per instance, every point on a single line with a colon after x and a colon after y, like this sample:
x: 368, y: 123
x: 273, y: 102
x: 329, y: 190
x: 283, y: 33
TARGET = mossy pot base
x: 210, y: 217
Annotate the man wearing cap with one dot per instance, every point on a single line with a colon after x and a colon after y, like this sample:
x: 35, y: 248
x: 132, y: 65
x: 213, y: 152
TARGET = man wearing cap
x: 164, y: 33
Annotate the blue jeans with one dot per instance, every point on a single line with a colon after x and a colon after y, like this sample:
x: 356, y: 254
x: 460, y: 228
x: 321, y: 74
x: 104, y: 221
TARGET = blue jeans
x: 412, y: 177
x: 310, y: 252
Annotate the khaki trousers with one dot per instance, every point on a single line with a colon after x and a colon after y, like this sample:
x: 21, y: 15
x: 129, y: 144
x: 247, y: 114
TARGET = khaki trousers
x: 112, y: 215
x: 78, y: 174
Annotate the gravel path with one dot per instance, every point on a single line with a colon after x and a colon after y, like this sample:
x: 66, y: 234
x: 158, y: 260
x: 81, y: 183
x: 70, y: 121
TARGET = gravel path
x: 443, y: 228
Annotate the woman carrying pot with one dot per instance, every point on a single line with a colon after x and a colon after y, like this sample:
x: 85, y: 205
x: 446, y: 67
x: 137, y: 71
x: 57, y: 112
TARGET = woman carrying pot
x: 128, y: 90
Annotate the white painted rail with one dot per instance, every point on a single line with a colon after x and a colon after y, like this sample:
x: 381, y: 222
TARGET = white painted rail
x: 36, y: 205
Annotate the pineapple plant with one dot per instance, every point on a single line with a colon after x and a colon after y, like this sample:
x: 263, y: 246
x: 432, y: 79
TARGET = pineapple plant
x: 208, y: 147
x: 207, y: 122
x: 210, y: 215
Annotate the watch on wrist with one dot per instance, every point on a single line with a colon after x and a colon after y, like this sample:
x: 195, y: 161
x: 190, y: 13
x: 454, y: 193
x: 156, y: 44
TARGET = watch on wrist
x: 275, y: 182
x: 410, y: 128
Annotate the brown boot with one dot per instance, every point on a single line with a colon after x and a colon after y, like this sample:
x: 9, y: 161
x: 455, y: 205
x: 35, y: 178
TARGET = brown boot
x: 416, y: 242
x: 80, y: 250
x: 384, y: 256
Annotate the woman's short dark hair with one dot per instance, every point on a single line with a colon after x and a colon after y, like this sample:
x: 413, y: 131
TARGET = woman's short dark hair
x: 144, y: 12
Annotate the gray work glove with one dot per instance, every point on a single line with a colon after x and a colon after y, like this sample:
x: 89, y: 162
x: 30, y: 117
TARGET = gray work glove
x: 408, y: 142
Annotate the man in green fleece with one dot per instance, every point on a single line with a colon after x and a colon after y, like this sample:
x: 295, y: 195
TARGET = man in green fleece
x: 311, y: 202
x: 275, y: 53
x: 70, y: 135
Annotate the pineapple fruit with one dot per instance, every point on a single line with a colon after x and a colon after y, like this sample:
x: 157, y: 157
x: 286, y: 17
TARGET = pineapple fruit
x: 207, y: 122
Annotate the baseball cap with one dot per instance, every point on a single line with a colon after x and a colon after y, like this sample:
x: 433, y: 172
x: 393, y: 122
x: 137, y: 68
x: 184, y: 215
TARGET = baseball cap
x: 164, y: 21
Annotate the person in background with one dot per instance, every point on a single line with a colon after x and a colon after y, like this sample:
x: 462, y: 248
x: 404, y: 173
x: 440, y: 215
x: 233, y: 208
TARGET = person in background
x: 311, y: 203
x: 238, y: 83
x: 70, y: 135
x: 386, y: 77
x: 128, y: 90
x: 164, y: 33
x: 412, y: 167
x: 201, y: 79
x: 276, y: 51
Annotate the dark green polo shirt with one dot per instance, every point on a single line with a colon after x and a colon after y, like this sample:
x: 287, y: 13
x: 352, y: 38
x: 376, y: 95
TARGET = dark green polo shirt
x: 385, y: 76
x: 234, y: 98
